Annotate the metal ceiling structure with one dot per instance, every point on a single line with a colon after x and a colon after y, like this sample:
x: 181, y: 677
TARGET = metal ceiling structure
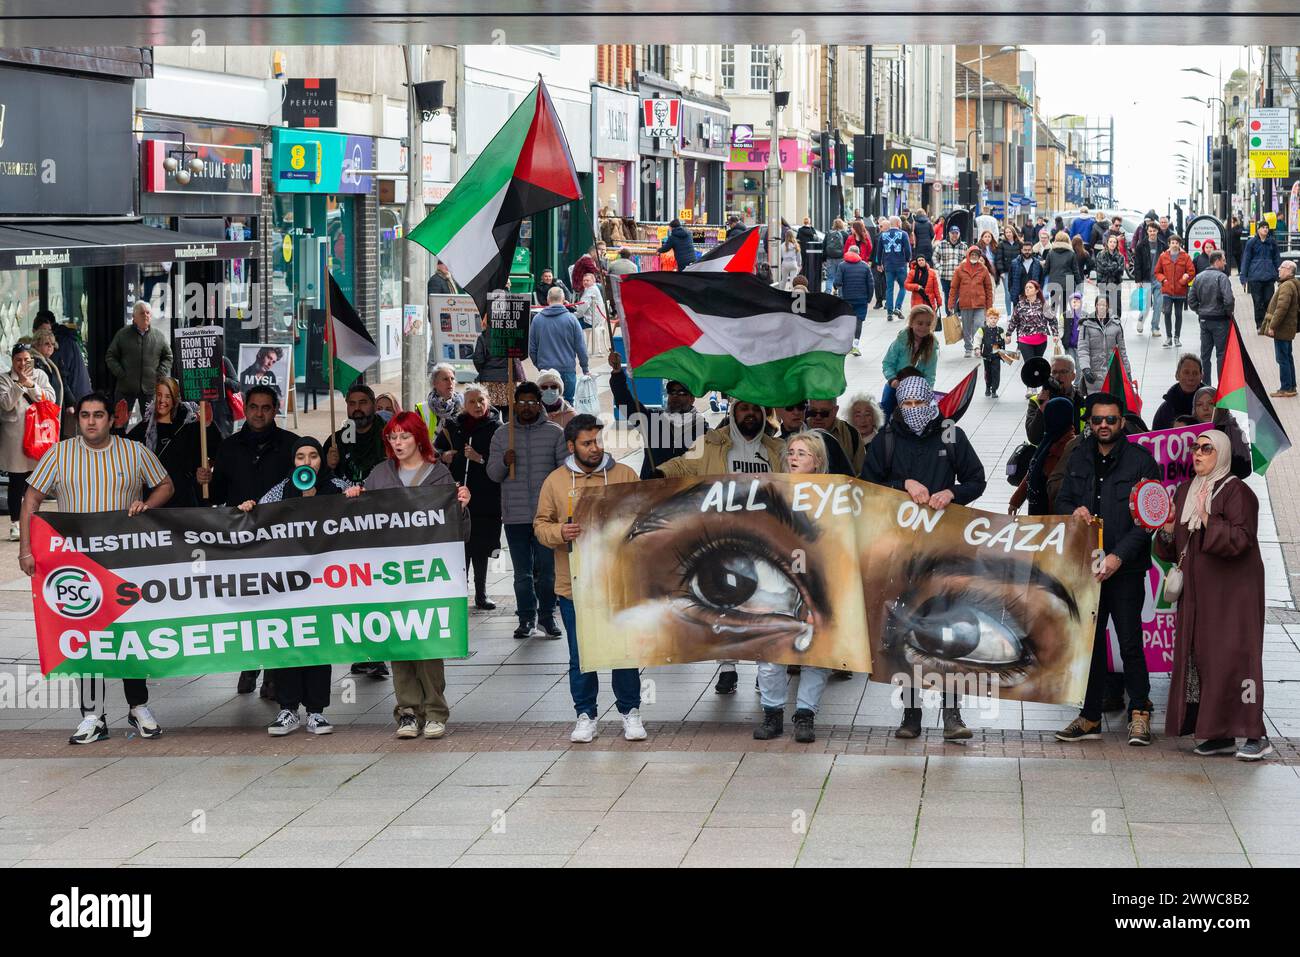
x: 36, y: 23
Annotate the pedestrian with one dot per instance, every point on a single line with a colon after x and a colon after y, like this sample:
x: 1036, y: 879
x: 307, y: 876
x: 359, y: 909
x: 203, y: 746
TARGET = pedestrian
x: 170, y: 430
x: 1100, y: 473
x: 97, y: 472
x: 625, y: 265
x: 586, y: 466
x: 1060, y: 424
x: 1083, y: 256
x: 1259, y: 269
x: 791, y: 260
x: 1232, y: 243
x: 865, y: 416
x: 1025, y: 267
x: 1097, y: 233
x: 988, y: 245
x: 922, y: 235
x: 1111, y: 265
x: 443, y: 401
x: 494, y: 372
x: 1146, y: 253
x: 971, y: 296
x: 1075, y: 314
x: 1044, y: 243
x: 545, y: 284
x: 244, y: 468
x: 591, y: 263
x: 20, y: 388
x: 1174, y: 272
x: 790, y: 419
x: 440, y: 283
x: 823, y: 414
x: 1202, y: 259
x: 303, y: 685
x: 805, y: 454
x: 1213, y: 537
x: 538, y: 449
x: 923, y: 283
x: 1099, y: 336
x: 1007, y: 254
x: 855, y: 285
x: 665, y: 433
x: 1280, y: 326
x: 554, y: 407
x: 895, y: 255
x: 138, y: 356
x: 555, y: 341
x: 43, y: 347
x: 933, y: 462
x: 915, y: 347
x: 1081, y: 225
x: 860, y: 235
x: 1178, y: 400
x: 354, y: 450
x: 1061, y: 266
x: 990, y: 344
x: 387, y: 406
x: 836, y: 247
x: 680, y: 243
x: 1117, y: 230
x: 877, y: 263
x: 410, y: 461
x: 1030, y: 323
x: 948, y: 255
x: 1212, y: 299
x: 70, y: 357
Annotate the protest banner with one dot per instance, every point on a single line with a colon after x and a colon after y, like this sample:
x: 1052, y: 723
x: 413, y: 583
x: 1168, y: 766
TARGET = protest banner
x: 1172, y: 450
x: 837, y: 573
x: 507, y: 329
x: 198, y: 352
x: 305, y: 581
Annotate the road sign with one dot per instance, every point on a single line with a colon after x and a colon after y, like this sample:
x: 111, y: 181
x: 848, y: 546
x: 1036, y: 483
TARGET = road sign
x: 1269, y: 128
x: 1270, y: 164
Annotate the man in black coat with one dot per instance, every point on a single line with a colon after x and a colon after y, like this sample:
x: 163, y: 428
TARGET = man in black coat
x: 665, y: 434
x: 933, y: 462
x: 682, y: 244
x: 1099, y: 477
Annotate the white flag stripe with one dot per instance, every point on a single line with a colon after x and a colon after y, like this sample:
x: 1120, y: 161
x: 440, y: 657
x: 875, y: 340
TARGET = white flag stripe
x: 772, y: 336
x: 352, y: 349
x: 474, y: 246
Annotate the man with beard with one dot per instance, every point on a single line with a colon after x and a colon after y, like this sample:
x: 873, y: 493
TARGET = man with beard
x: 1099, y: 477
x: 665, y: 434
x: 916, y: 454
x: 740, y: 445
x: 352, y: 453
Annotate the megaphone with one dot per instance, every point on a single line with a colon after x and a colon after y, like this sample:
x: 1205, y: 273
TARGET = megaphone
x: 304, y: 477
x: 1036, y: 373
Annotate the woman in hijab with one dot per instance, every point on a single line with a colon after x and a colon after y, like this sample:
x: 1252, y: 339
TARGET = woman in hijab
x: 306, y: 685
x: 1205, y: 410
x: 170, y: 430
x: 1218, y: 645
x: 1059, y: 422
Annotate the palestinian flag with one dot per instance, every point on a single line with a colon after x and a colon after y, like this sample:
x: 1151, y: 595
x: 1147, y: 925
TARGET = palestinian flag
x: 1117, y: 383
x: 1246, y: 399
x: 526, y: 169
x: 735, y: 333
x: 737, y: 254
x: 351, y: 347
x: 955, y: 403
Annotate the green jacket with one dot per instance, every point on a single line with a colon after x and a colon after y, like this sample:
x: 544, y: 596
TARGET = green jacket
x: 138, y: 361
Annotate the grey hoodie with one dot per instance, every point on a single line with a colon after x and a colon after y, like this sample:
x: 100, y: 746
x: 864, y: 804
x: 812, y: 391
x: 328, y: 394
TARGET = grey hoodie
x: 539, y: 450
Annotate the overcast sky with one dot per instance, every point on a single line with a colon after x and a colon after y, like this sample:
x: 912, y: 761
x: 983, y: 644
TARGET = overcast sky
x: 1142, y: 88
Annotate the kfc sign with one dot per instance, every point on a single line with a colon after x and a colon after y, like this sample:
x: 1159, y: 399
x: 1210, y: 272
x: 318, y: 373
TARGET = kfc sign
x: 662, y: 117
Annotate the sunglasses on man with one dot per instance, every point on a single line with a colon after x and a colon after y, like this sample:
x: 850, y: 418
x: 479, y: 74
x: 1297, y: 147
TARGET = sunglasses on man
x: 819, y: 413
x: 1108, y: 419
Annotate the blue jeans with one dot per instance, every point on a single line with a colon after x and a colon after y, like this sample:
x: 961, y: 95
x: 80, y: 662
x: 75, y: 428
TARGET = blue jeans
x: 888, y: 400
x: 773, y: 682
x: 1155, y: 302
x: 584, y: 685
x: 1285, y: 363
x: 1011, y: 301
x: 832, y: 273
x: 860, y: 311
x: 895, y: 277
x: 570, y: 380
x: 534, y: 565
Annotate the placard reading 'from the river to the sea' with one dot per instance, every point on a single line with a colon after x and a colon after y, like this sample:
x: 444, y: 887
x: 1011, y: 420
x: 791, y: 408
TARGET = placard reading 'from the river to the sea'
x: 198, y: 361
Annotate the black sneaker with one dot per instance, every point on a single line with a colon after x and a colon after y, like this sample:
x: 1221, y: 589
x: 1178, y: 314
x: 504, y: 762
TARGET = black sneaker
x: 1255, y: 748
x: 1215, y: 746
x: 525, y: 629
x: 379, y: 670
x: 361, y: 668
x: 549, y: 626
x: 247, y: 682
x: 911, y: 725
x: 803, y: 726
x: 726, y: 683
x: 484, y: 603
x: 841, y: 675
x: 954, y: 728
x: 773, y: 724
x: 1080, y: 729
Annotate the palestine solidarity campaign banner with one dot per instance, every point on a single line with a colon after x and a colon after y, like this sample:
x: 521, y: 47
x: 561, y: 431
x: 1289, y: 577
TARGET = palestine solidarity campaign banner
x: 306, y: 581
x: 834, y: 572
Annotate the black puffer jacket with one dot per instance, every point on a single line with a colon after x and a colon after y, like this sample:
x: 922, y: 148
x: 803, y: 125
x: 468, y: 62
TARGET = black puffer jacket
x: 682, y: 244
x: 484, y: 494
x: 1120, y: 536
x: 899, y: 454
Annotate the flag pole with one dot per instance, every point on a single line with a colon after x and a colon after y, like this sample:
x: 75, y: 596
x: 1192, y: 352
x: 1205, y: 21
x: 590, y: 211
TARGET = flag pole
x: 329, y: 338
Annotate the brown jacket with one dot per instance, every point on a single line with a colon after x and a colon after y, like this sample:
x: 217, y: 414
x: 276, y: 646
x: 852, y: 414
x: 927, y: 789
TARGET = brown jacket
x: 561, y: 487
x: 708, y: 456
x: 1283, y: 310
x: 972, y: 286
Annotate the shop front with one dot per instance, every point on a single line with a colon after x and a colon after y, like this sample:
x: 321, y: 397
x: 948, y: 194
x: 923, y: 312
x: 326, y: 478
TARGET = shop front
x: 614, y: 125
x: 703, y: 148
x: 747, y: 175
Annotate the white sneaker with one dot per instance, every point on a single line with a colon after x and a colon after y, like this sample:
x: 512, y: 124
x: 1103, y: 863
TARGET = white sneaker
x: 317, y: 723
x: 434, y: 729
x: 1139, y: 325
x: 585, y: 730
x: 286, y: 722
x: 1155, y: 332
x: 633, y: 729
x: 13, y: 531
x: 92, y: 728
x: 142, y: 720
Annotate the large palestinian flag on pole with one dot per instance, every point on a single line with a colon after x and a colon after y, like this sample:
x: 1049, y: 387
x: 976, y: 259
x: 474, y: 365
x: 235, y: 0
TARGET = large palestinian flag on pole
x: 737, y: 254
x: 1243, y: 394
x: 735, y: 333
x: 351, y: 348
x: 525, y: 169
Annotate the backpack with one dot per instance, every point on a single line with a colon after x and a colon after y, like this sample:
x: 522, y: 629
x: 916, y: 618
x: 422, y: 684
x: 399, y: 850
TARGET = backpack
x: 1018, y: 463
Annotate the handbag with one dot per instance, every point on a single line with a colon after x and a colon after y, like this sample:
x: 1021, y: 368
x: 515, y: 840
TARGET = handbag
x: 236, y: 403
x: 41, y: 428
x: 1174, y: 579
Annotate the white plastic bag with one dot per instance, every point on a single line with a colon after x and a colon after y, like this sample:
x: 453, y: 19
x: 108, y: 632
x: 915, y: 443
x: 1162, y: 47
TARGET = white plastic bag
x: 586, y: 396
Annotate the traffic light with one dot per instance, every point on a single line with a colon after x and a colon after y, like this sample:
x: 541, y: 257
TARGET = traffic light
x: 1216, y: 170
x: 968, y: 188
x: 1230, y: 169
x: 820, y: 155
x: 868, y: 159
x: 841, y: 156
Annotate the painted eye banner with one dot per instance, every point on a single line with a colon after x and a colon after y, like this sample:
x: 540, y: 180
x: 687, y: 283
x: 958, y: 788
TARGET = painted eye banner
x: 306, y: 581
x: 837, y: 573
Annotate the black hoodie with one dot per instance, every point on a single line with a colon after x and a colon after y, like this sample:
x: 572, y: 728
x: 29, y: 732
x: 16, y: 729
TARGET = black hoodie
x: 1177, y: 402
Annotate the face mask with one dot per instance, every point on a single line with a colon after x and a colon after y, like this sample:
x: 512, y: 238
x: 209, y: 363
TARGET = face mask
x: 550, y: 396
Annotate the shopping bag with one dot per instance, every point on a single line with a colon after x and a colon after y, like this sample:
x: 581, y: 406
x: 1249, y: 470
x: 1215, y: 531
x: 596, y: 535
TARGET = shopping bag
x: 952, y: 328
x: 236, y: 403
x: 41, y: 430
x: 1138, y: 301
x: 586, y: 397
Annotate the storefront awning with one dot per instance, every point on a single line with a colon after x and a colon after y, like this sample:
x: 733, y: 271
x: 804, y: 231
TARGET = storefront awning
x: 62, y: 245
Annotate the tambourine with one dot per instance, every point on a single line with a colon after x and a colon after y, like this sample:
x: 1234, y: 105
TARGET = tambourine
x: 304, y: 477
x: 1150, y: 504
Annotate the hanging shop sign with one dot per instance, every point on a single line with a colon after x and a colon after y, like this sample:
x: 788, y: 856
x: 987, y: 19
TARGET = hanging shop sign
x: 311, y: 102
x: 320, y: 162
x: 226, y: 169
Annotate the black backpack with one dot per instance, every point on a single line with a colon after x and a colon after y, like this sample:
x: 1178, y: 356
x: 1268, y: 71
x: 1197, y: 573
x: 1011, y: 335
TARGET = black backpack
x: 1018, y: 464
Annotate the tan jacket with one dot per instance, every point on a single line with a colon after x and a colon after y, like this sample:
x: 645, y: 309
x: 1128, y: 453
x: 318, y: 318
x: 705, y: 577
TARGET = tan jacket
x: 709, y: 455
x: 553, y: 508
x: 1280, y: 320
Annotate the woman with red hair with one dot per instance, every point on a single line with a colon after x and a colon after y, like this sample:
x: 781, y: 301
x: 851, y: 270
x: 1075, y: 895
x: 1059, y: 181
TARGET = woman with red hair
x: 412, y: 463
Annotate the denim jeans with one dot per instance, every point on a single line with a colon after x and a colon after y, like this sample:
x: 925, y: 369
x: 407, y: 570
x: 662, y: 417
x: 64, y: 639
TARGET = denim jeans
x: 570, y: 380
x: 1214, y: 336
x: 534, y: 565
x: 1121, y: 598
x: 1155, y: 299
x: 1010, y: 300
x: 584, y: 685
x: 832, y: 273
x: 1285, y: 363
x: 895, y: 278
x: 946, y: 286
x: 860, y: 311
x: 774, y: 681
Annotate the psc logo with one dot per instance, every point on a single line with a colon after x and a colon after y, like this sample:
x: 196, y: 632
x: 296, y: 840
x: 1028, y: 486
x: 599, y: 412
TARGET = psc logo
x: 73, y: 592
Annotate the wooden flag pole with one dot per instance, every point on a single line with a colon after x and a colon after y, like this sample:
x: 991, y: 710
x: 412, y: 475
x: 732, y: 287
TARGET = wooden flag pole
x: 510, y: 399
x: 203, y: 440
x: 329, y: 338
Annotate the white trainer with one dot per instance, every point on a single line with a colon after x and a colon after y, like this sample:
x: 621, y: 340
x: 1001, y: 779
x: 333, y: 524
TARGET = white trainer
x: 92, y: 728
x: 434, y: 729
x: 633, y: 729
x: 142, y: 720
x: 585, y: 731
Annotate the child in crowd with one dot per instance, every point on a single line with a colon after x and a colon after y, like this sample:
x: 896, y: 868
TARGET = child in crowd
x: 990, y: 345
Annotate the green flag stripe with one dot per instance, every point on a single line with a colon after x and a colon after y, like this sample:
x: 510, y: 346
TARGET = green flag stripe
x: 781, y: 382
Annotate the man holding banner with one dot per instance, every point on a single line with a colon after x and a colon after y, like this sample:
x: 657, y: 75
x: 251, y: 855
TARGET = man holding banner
x: 98, y: 472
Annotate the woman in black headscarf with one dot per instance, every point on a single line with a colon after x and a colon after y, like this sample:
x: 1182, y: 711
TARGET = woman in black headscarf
x: 1059, y: 421
x: 307, y: 685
